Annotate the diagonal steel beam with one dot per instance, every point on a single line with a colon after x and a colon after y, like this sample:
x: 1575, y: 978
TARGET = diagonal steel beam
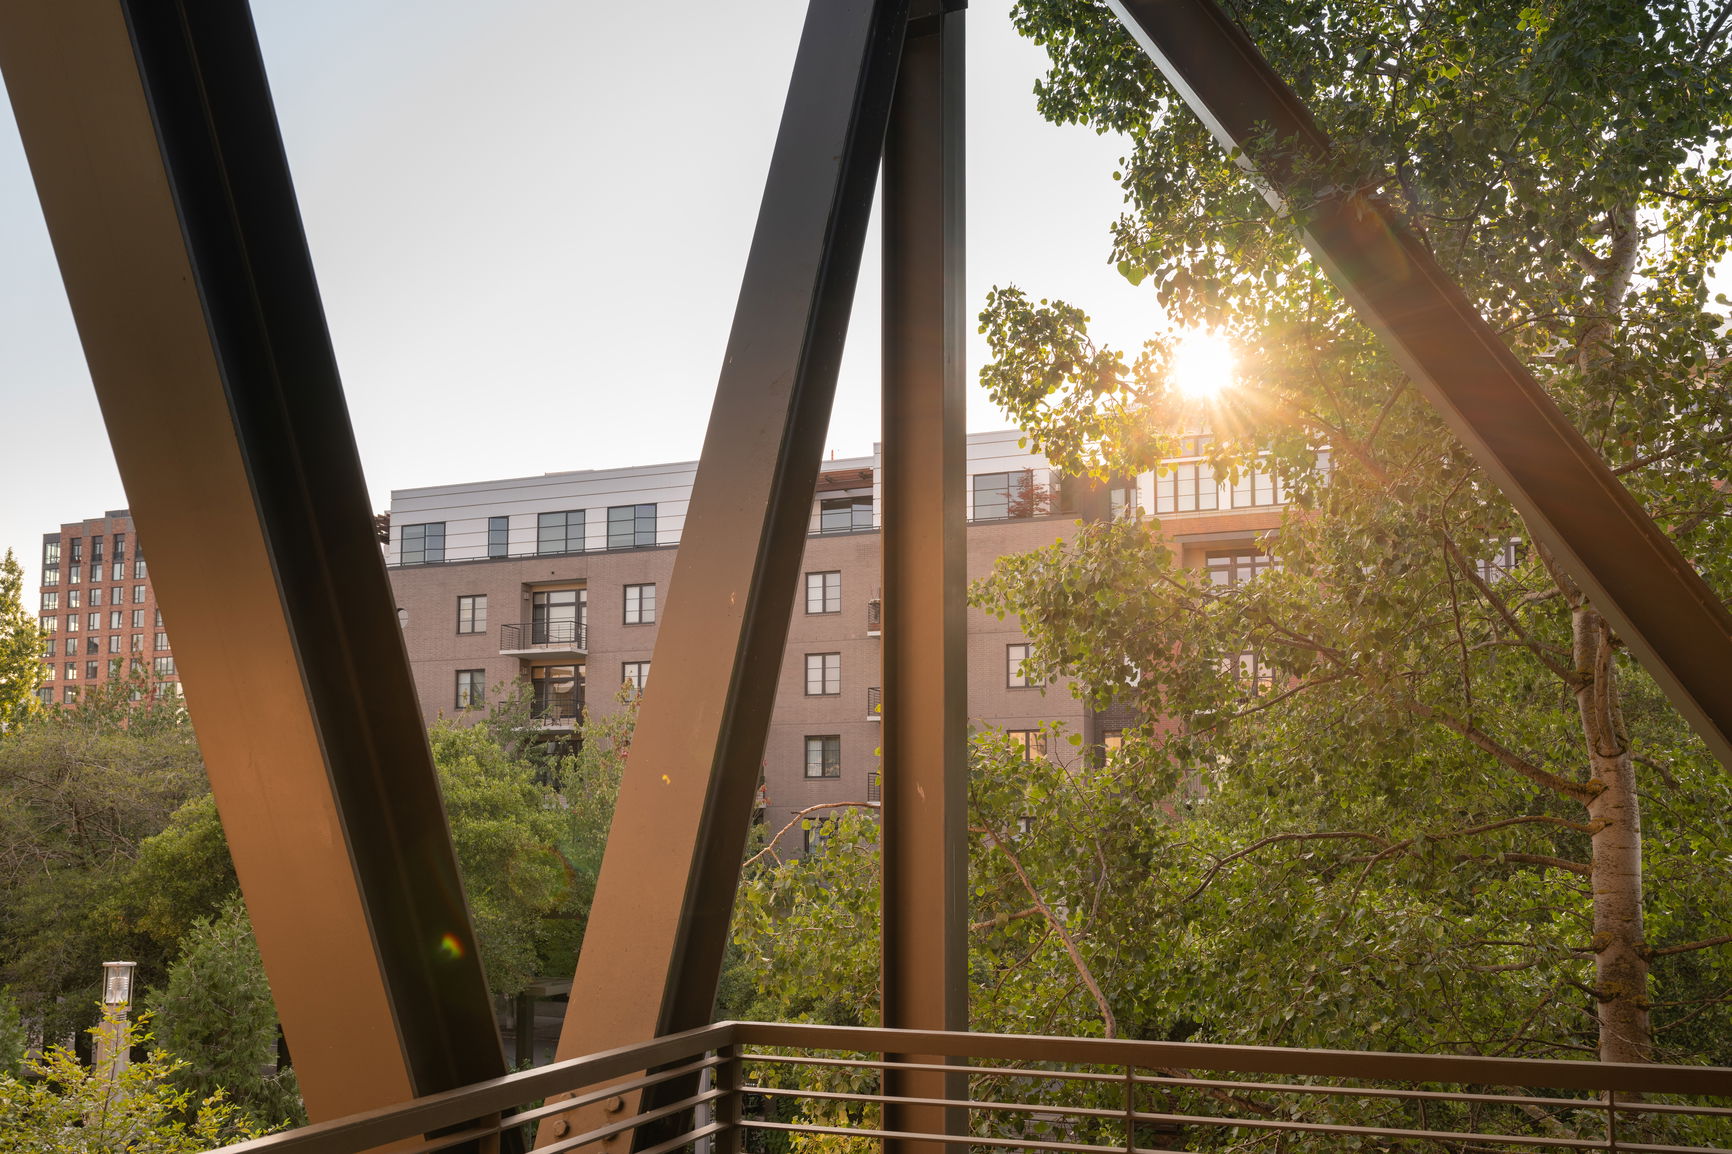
x: 925, y: 749
x: 1659, y: 605
x: 652, y: 952
x: 152, y: 141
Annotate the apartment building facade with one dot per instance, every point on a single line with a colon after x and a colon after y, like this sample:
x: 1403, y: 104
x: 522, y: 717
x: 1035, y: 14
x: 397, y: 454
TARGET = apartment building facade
x: 556, y: 584
x: 98, y: 609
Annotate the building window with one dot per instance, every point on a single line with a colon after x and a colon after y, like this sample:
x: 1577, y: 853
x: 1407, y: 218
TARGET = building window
x: 71, y: 647
x: 96, y: 553
x: 71, y: 671
x: 631, y: 526
x: 1256, y: 488
x: 499, y: 536
x: 138, y: 593
x: 45, y: 695
x: 74, y: 573
x: 823, y: 674
x: 640, y: 604
x: 138, y: 569
x: 51, y: 625
x: 118, y: 571
x: 50, y: 601
x: 115, y: 664
x: 120, y: 546
x: 74, y: 621
x: 1033, y: 742
x: 1249, y: 675
x: 844, y: 514
x: 824, y: 592
x: 556, y: 693
x: 51, y: 575
x: 92, y: 645
x: 1233, y: 568
x: 558, y: 617
x: 998, y: 496
x: 824, y: 756
x: 96, y: 596
x: 114, y: 643
x: 116, y: 618
x: 1014, y: 676
x: 471, y: 692
x: 74, y: 598
x: 1187, y: 488
x: 138, y: 619
x: 75, y: 549
x: 92, y: 670
x: 1506, y: 555
x: 423, y: 543
x: 50, y: 553
x: 472, y: 613
x: 634, y: 674
x: 162, y: 666
x: 560, y: 532
x: 158, y: 616
x: 94, y: 621
x: 69, y: 694
x: 160, y: 641
x: 138, y: 643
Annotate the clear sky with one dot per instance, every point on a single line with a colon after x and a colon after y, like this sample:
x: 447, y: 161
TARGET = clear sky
x: 529, y: 220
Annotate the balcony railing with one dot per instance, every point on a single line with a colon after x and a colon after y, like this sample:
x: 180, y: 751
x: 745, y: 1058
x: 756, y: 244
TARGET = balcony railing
x: 874, y: 617
x: 556, y: 710
x: 538, y: 638
x: 736, y: 1083
x: 875, y: 704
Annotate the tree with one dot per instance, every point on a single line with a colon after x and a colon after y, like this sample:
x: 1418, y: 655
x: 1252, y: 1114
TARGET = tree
x: 1472, y: 725
x: 20, y: 647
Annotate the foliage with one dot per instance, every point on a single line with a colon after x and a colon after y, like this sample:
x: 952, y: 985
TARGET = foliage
x: 1422, y: 824
x: 12, y: 1037
x: 21, y: 642
x: 66, y: 1107
x: 216, y: 1009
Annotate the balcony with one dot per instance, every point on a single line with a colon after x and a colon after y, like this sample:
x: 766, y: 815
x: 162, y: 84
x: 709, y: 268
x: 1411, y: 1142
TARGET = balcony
x: 875, y: 704
x: 874, y: 617
x: 544, y: 639
x: 751, y: 1085
x: 555, y: 711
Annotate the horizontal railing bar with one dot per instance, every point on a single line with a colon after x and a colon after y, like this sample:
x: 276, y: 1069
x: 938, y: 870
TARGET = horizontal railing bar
x: 655, y: 1078
x: 1373, y: 1092
x: 1647, y: 1148
x: 1673, y: 1108
x: 952, y: 1139
x: 703, y: 1131
x: 631, y: 1123
x: 455, y: 1138
x: 1375, y: 1131
x: 970, y: 1070
x: 1707, y: 1081
x: 358, y: 1133
x: 958, y: 1103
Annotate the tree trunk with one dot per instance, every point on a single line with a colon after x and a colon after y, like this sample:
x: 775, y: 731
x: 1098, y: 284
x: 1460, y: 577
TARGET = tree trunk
x: 1619, y: 944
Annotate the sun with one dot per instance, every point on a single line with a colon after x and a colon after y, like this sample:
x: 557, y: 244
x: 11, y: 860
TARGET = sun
x: 1202, y: 365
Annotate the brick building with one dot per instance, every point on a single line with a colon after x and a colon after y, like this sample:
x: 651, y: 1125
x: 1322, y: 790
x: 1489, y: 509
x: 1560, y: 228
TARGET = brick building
x: 555, y: 583
x: 99, y: 611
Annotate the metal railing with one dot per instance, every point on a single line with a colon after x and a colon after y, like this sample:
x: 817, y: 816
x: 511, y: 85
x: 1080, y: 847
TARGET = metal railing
x: 560, y: 635
x: 736, y: 1083
x: 875, y: 704
x: 875, y: 616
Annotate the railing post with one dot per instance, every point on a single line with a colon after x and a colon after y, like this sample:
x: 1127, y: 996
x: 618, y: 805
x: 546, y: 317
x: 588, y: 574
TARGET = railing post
x: 727, y: 1108
x: 1130, y: 1109
x: 1611, y: 1120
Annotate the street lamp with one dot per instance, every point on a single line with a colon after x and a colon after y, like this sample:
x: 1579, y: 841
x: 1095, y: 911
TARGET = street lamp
x: 113, y: 1055
x: 117, y: 984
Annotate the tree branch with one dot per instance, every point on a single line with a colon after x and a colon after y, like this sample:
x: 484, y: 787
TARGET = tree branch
x: 799, y: 816
x: 1688, y: 946
x: 1562, y: 786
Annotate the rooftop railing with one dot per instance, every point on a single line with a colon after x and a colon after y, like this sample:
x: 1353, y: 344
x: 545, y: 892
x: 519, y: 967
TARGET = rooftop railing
x: 737, y: 1083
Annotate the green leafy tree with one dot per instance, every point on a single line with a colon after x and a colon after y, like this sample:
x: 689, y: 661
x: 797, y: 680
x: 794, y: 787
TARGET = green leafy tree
x: 12, y: 1037
x: 66, y: 1107
x: 1438, y: 730
x: 21, y: 644
x: 216, y: 1011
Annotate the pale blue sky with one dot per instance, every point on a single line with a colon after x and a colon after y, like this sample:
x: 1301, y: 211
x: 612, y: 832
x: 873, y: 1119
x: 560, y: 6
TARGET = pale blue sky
x: 529, y: 219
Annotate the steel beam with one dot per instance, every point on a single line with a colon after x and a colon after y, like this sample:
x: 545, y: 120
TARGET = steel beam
x: 150, y: 135
x: 1571, y: 500
x: 925, y: 765
x: 653, y: 949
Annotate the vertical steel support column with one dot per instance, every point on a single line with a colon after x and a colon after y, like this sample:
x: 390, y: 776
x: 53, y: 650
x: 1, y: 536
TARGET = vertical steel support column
x: 151, y: 137
x: 653, y: 950
x: 925, y: 790
x: 1659, y: 605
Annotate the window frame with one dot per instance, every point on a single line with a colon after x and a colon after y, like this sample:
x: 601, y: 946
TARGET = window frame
x: 572, y: 526
x: 471, y: 619
x: 635, y: 674
x: 469, y: 691
x: 631, y: 526
x: 429, y: 546
x: 828, y: 668
x: 829, y: 592
x: 643, y: 611
x: 1014, y: 677
x: 828, y: 747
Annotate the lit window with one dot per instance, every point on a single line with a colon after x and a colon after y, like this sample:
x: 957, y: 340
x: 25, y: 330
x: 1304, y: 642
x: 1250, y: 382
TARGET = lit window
x: 471, y: 690
x: 1256, y: 488
x: 634, y: 674
x: 559, y: 532
x: 824, y: 756
x: 640, y: 604
x: 1014, y: 656
x: 472, y: 613
x: 499, y: 536
x: 823, y: 674
x: 423, y: 543
x: 824, y: 592
x: 1186, y: 488
x: 631, y: 526
x: 844, y: 514
x: 1234, y: 568
x: 1033, y: 741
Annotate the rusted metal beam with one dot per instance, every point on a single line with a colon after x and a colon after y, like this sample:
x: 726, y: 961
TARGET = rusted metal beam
x: 150, y: 134
x: 652, y: 953
x: 1571, y: 500
x: 925, y: 766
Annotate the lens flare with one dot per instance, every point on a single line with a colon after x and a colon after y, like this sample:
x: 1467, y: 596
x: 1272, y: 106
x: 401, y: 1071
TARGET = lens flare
x: 1202, y: 365
x: 450, y: 948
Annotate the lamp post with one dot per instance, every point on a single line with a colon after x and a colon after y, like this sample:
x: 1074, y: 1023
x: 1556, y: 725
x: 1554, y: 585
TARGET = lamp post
x: 113, y: 1055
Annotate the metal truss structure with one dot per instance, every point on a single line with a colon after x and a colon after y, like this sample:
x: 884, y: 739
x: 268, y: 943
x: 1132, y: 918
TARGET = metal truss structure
x: 155, y: 150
